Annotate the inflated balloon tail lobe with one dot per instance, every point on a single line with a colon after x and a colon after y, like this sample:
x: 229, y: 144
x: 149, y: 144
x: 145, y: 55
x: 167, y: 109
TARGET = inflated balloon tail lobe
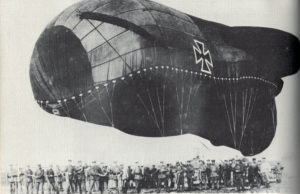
x: 277, y: 51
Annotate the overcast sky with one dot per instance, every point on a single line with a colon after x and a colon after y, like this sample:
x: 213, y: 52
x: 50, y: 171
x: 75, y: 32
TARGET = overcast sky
x: 30, y: 135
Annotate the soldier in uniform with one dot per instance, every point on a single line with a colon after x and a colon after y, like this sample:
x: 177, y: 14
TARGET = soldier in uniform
x: 80, y: 177
x: 39, y: 179
x: 88, y: 177
x: 69, y: 174
x: 51, y: 180
x: 203, y: 175
x: 95, y: 173
x: 214, y: 175
x: 113, y: 176
x: 238, y: 174
x: 197, y: 174
x: 246, y: 167
x: 232, y: 169
x: 59, y: 178
x: 21, y: 179
x: 180, y: 178
x: 120, y: 177
x: 278, y: 172
x: 162, y: 177
x: 175, y: 176
x: 251, y: 169
x: 126, y: 179
x: 104, y: 178
x: 170, y: 176
x: 10, y: 178
x: 221, y: 173
x: 190, y: 173
x: 138, y: 177
x: 208, y: 173
x: 227, y: 173
x: 265, y: 170
x: 16, y: 178
x: 29, y: 180
x: 147, y: 178
x: 185, y: 179
x: 154, y: 176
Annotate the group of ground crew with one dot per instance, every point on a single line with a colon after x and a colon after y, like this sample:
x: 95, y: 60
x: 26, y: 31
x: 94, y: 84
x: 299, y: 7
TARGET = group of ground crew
x: 193, y: 175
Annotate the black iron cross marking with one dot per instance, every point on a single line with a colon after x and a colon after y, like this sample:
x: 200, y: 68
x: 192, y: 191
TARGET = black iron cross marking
x: 203, y: 57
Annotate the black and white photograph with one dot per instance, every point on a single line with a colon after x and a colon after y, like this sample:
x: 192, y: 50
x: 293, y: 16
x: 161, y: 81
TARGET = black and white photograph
x: 149, y: 96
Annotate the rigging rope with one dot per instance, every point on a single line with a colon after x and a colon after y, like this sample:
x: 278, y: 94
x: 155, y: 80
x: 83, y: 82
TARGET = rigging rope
x: 79, y: 106
x: 233, y: 113
x: 178, y: 101
x: 101, y: 106
x: 229, y: 120
x: 68, y: 112
x: 153, y: 109
x: 82, y: 108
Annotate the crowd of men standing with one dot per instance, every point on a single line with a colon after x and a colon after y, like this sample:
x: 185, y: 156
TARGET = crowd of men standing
x: 195, y: 174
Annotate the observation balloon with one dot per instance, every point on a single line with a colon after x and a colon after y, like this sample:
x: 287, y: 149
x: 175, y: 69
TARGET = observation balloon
x: 149, y: 70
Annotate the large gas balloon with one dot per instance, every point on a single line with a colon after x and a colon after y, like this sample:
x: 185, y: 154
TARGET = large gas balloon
x: 149, y: 70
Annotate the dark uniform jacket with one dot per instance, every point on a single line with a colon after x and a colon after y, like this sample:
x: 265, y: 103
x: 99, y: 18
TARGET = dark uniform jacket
x: 138, y: 174
x: 80, y: 173
x: 214, y: 170
x: 28, y: 176
x: 190, y: 172
x: 70, y: 172
x: 39, y: 175
x: 59, y: 175
x: 208, y: 170
x: 50, y: 175
x: 12, y: 176
x: 21, y: 176
x: 227, y: 169
x: 239, y: 170
x: 94, y: 173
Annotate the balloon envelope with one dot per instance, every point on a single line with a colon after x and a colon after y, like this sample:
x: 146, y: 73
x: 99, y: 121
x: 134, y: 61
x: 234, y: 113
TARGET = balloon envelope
x: 149, y: 70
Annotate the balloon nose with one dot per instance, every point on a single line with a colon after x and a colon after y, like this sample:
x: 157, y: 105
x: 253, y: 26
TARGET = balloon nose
x: 60, y: 66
